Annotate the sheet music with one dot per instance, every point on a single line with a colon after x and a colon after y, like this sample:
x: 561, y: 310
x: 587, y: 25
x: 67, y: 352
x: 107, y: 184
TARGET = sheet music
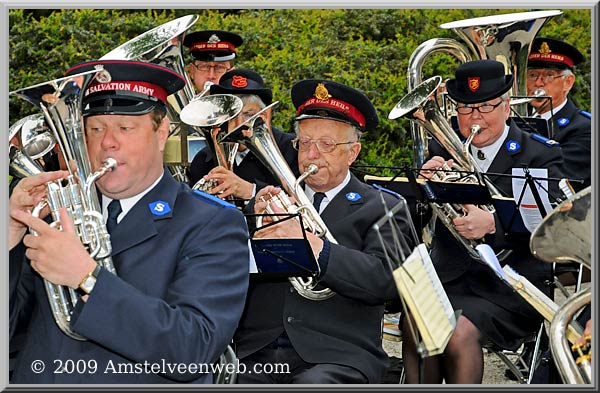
x: 488, y: 256
x: 421, y: 289
x: 528, y: 207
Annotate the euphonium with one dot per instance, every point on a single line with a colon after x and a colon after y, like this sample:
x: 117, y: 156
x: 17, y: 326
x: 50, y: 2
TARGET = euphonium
x: 60, y: 102
x: 207, y: 114
x: 565, y: 236
x: 257, y: 137
x: 162, y: 45
x: 422, y: 98
x: 505, y: 38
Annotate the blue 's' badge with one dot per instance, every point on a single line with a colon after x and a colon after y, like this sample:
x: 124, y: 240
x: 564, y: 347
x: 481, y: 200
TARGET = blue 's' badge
x: 563, y: 121
x: 512, y: 146
x: 353, y: 196
x: 159, y: 208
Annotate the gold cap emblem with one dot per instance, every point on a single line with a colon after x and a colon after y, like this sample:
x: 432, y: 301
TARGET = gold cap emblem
x: 544, y: 48
x: 321, y: 92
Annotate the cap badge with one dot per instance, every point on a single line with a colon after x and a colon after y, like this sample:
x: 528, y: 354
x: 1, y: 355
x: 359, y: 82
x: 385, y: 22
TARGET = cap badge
x: 474, y: 83
x: 239, y: 81
x: 214, y: 39
x: 159, y: 208
x: 321, y: 92
x: 544, y: 48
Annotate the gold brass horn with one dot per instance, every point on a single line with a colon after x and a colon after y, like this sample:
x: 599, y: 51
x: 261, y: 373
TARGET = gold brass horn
x: 207, y: 114
x: 162, y: 45
x: 258, y: 138
x: 60, y: 102
x: 565, y: 236
x: 505, y: 38
x: 422, y: 98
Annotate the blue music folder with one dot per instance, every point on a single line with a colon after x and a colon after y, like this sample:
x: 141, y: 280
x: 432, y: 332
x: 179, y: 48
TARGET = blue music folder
x: 284, y: 258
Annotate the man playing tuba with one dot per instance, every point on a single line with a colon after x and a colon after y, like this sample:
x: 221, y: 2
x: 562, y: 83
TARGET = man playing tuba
x: 491, y: 311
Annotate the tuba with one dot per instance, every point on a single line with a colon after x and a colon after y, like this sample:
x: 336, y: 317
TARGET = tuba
x: 162, y: 45
x: 422, y: 98
x: 207, y: 114
x: 505, y: 38
x: 60, y: 103
x: 565, y: 236
x: 257, y: 137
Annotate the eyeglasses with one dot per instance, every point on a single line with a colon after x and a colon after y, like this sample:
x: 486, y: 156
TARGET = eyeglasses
x: 206, y: 67
x: 485, y: 108
x: 546, y: 77
x: 324, y: 145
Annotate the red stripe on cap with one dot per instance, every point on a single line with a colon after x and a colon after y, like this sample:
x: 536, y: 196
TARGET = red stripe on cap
x: 146, y: 88
x: 336, y: 105
x: 205, y: 46
x: 552, y: 57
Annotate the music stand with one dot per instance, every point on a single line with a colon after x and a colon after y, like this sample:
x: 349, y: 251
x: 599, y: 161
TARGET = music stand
x: 432, y: 324
x: 283, y: 257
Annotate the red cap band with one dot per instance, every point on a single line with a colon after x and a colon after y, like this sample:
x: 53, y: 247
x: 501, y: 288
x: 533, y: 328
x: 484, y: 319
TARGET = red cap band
x: 552, y: 57
x: 146, y: 88
x: 336, y: 105
x: 205, y: 46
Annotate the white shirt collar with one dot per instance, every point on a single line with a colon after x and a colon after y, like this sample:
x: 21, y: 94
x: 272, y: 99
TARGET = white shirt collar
x: 548, y: 115
x: 489, y: 151
x: 127, y: 203
x: 329, y: 195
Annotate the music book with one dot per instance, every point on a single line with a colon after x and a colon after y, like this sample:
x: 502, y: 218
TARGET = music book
x: 421, y: 289
x: 283, y: 258
x: 509, y: 215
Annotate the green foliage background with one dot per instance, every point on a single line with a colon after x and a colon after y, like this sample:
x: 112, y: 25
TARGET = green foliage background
x: 368, y: 49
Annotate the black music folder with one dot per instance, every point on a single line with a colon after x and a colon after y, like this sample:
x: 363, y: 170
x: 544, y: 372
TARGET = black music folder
x: 456, y: 192
x: 284, y: 258
x: 509, y: 215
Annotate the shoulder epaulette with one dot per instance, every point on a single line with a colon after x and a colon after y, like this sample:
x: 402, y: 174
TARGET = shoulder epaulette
x: 586, y: 114
x: 213, y: 200
x: 546, y: 141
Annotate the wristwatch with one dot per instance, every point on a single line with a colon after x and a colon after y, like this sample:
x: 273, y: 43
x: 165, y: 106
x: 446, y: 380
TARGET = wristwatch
x: 88, y: 282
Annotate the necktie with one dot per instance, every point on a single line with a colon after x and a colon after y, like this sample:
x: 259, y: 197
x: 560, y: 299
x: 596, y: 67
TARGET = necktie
x: 317, y: 199
x: 114, y: 209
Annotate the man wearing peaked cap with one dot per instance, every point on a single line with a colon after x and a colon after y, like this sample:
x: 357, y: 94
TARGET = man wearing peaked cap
x: 337, y: 339
x: 165, y: 290
x: 248, y: 172
x: 550, y: 73
x: 491, y: 311
x: 213, y: 53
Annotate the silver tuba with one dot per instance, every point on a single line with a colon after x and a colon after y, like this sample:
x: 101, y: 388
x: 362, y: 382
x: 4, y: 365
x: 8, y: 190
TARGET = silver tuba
x: 505, y: 38
x: 60, y: 103
x: 565, y: 236
x: 207, y: 114
x: 422, y: 98
x: 162, y: 45
x: 257, y: 137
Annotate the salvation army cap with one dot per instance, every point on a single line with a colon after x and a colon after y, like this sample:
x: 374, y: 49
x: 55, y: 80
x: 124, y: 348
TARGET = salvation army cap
x: 243, y: 81
x: 478, y: 81
x: 135, y: 88
x: 325, y: 99
x: 213, y: 45
x: 551, y: 53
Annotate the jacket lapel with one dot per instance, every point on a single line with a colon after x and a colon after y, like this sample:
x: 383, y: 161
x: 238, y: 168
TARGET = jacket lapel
x: 344, y: 202
x: 508, y: 153
x: 140, y: 222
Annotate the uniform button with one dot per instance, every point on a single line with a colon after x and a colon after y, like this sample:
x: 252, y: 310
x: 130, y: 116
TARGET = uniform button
x: 291, y: 289
x: 290, y: 319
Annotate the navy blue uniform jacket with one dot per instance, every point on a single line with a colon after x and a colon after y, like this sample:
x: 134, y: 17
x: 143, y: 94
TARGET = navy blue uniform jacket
x: 346, y: 328
x: 180, y: 290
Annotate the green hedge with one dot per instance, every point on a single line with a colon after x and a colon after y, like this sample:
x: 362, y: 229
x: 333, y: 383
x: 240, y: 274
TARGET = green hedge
x: 365, y: 48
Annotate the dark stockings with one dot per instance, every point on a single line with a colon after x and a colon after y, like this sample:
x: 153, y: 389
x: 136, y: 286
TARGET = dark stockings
x: 461, y: 362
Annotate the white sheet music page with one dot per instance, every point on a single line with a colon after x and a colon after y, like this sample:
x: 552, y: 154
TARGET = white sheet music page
x: 528, y: 207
